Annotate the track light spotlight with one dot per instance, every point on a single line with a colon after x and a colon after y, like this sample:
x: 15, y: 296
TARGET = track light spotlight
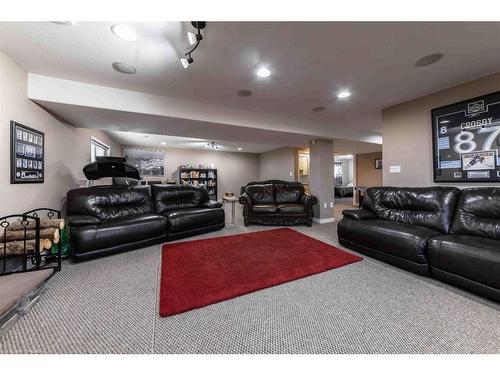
x: 191, y: 38
x: 186, y: 61
x: 194, y: 40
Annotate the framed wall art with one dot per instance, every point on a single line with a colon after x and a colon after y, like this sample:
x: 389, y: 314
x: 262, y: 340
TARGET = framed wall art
x: 27, y: 154
x: 378, y: 163
x: 151, y: 163
x: 466, y: 140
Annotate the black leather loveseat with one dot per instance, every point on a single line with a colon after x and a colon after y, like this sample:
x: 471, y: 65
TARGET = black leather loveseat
x: 110, y: 219
x: 276, y: 202
x: 442, y: 232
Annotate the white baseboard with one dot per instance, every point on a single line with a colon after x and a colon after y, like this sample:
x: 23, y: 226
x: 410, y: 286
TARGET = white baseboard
x: 324, y: 220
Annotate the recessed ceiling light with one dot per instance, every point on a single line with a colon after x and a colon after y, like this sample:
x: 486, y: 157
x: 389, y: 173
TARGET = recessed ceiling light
x: 244, y: 93
x: 163, y: 143
x: 263, y: 72
x: 319, y: 109
x: 428, y: 60
x: 124, y: 32
x: 124, y: 68
x: 239, y: 149
x: 444, y: 121
x: 343, y: 94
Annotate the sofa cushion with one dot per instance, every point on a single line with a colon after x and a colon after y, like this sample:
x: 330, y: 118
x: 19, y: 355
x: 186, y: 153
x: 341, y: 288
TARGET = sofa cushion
x: 474, y: 258
x: 291, y: 208
x: 359, y: 214
x: 288, y: 193
x: 478, y: 213
x: 177, y: 197
x: 118, y: 231
x: 264, y: 208
x: 108, y: 202
x: 261, y: 193
x: 82, y: 220
x: 397, y: 239
x: 193, y: 218
x: 431, y: 207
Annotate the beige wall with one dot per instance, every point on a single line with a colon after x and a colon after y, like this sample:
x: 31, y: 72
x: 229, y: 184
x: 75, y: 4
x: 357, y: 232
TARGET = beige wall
x: 366, y: 174
x: 407, y: 132
x: 278, y: 164
x: 67, y: 149
x: 234, y: 169
x: 322, y: 178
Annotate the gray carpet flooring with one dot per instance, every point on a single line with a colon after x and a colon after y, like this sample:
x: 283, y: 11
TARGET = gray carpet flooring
x: 110, y: 305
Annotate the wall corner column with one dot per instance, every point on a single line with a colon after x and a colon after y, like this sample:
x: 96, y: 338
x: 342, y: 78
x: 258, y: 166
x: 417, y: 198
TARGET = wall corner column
x: 322, y: 179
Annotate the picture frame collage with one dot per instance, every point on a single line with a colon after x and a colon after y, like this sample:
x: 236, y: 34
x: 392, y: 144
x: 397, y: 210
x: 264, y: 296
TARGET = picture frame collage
x: 27, y: 154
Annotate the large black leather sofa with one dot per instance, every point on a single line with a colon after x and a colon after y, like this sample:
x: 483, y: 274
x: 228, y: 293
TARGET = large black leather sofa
x: 105, y: 220
x: 442, y: 232
x: 276, y: 202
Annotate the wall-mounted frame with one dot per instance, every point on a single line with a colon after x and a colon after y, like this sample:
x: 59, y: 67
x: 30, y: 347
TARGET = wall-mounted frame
x: 466, y: 140
x: 27, y: 154
x: 151, y: 163
x: 378, y: 163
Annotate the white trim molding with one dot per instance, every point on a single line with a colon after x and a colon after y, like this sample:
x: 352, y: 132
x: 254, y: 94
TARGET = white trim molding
x: 94, y: 142
x: 323, y: 220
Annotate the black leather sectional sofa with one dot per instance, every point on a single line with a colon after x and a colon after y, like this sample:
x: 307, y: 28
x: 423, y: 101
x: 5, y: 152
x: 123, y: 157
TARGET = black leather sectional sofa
x: 276, y: 202
x: 110, y: 219
x: 442, y: 232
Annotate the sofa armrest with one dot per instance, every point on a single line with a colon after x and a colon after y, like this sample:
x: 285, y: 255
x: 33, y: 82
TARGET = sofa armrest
x: 359, y: 214
x: 211, y: 204
x: 246, y: 201
x: 309, y: 201
x: 82, y: 220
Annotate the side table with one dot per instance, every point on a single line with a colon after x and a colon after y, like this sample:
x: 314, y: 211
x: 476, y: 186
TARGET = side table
x: 233, y: 201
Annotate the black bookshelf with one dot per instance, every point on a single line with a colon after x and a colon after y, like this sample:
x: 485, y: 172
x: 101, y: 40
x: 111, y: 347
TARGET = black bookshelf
x: 200, y: 176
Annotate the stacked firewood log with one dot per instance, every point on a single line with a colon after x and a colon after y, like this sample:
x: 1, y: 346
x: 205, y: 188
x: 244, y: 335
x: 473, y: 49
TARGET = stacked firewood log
x: 20, y: 237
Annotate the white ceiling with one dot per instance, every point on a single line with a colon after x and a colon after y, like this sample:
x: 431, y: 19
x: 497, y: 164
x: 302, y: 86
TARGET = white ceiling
x: 344, y: 146
x: 310, y: 62
x: 341, y: 146
x: 159, y: 141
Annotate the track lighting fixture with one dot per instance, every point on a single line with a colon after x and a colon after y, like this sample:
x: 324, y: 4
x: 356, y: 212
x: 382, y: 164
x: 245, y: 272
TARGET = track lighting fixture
x: 194, y: 40
x: 212, y: 145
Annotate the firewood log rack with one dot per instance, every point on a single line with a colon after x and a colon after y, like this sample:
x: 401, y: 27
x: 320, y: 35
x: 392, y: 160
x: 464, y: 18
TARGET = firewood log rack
x: 28, y: 256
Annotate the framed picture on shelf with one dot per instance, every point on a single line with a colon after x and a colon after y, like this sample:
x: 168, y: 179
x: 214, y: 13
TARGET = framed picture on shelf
x: 466, y: 140
x: 378, y: 163
x: 27, y: 154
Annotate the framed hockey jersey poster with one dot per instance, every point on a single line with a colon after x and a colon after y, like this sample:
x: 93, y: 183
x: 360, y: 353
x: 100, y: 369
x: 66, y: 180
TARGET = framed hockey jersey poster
x: 466, y: 140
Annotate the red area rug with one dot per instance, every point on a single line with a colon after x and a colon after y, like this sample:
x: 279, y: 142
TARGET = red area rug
x: 198, y: 273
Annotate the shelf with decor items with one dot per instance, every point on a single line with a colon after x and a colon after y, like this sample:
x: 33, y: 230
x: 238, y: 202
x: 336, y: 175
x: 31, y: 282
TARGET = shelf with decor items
x: 200, y: 176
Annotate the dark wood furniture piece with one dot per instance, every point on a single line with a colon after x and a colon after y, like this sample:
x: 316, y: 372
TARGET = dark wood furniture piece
x: 200, y: 176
